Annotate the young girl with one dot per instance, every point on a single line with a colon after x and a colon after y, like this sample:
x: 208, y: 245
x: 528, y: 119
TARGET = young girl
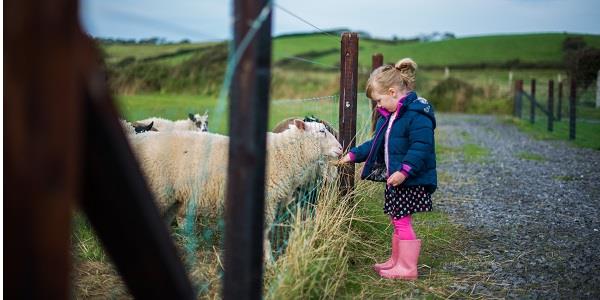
x: 401, y: 153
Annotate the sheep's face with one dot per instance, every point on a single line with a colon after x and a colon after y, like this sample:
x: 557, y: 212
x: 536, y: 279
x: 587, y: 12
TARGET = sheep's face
x: 329, y: 144
x: 201, y: 121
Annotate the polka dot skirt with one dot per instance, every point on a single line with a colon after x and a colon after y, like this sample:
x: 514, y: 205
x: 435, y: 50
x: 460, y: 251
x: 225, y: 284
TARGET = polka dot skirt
x: 402, y: 201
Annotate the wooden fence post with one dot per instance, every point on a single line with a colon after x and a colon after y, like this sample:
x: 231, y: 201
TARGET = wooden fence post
x: 598, y: 90
x: 249, y: 105
x: 376, y: 62
x: 520, y: 98
x: 532, y: 107
x: 560, y: 98
x: 347, y: 108
x: 572, y: 112
x: 53, y: 75
x: 550, y: 105
x: 516, y: 96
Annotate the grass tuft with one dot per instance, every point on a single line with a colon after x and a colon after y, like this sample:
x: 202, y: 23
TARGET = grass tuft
x: 530, y: 156
x: 85, y: 244
x: 475, y: 153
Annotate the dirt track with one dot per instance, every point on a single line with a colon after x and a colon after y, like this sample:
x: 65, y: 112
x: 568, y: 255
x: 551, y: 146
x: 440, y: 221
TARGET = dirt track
x: 534, y: 207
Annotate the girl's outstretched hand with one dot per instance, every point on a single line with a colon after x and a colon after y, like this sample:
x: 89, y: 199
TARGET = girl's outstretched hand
x: 396, y: 179
x: 346, y: 159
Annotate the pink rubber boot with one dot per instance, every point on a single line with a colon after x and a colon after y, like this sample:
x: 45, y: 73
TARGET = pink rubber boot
x: 392, y: 260
x: 407, y: 252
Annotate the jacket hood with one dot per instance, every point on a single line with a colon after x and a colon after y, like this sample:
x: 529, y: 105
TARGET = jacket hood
x: 420, y: 105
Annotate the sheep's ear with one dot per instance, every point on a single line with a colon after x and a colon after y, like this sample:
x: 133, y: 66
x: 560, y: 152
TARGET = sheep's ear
x: 300, y: 124
x: 206, y: 112
x: 191, y: 116
x: 149, y: 127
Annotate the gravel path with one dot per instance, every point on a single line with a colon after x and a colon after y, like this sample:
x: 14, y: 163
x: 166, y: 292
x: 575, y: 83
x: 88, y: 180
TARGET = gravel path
x: 533, y: 206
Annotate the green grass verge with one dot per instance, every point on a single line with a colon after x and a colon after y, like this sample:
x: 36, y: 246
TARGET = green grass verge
x: 587, y: 132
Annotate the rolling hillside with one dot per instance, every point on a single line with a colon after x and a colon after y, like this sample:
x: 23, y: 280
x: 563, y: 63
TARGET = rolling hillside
x: 543, y: 49
x: 198, y: 68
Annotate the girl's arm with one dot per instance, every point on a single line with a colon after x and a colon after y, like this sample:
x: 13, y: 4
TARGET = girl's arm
x: 357, y: 154
x: 360, y: 153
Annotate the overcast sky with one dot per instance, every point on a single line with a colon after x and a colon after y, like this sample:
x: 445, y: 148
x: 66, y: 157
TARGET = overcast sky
x: 199, y: 20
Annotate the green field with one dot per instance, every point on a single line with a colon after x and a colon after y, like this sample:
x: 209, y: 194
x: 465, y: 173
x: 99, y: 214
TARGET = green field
x: 176, y: 107
x: 531, y: 48
x: 117, y: 52
x: 527, y: 48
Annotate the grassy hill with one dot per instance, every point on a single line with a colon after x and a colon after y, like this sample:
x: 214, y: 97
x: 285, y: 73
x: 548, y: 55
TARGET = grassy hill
x: 543, y: 49
x: 198, y: 68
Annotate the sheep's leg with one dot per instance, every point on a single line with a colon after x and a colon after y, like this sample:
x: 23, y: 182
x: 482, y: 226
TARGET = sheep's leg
x: 268, y: 252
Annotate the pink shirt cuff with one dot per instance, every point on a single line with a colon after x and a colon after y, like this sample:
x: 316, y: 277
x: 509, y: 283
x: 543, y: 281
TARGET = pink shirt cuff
x: 352, y: 156
x: 405, y: 169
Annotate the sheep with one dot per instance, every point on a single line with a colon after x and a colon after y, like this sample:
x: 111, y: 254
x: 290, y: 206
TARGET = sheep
x: 329, y: 170
x: 181, y: 166
x: 136, y: 127
x: 195, y: 122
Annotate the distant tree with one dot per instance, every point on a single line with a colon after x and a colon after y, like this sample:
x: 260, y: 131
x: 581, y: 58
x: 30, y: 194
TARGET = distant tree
x: 150, y: 41
x: 581, y: 62
x: 448, y: 36
x: 587, y: 66
x: 573, y: 43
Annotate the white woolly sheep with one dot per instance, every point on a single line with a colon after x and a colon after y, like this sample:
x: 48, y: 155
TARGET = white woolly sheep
x: 182, y: 166
x: 194, y: 122
x: 330, y: 171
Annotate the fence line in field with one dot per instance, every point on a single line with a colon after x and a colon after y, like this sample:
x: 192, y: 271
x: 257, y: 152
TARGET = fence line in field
x: 519, y: 94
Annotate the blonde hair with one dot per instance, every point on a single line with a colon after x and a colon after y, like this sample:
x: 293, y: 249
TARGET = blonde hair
x: 401, y: 75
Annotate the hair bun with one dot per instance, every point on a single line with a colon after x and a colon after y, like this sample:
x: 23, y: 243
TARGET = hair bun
x: 406, y: 66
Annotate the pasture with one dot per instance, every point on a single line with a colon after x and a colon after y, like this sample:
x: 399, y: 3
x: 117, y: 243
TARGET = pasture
x: 330, y: 253
x: 542, y: 48
x: 325, y: 255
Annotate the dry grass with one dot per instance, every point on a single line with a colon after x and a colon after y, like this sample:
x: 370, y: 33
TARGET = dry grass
x: 330, y: 254
x: 97, y: 280
x: 315, y: 263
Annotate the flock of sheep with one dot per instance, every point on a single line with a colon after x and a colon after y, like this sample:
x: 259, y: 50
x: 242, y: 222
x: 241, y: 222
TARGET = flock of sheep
x: 186, y: 165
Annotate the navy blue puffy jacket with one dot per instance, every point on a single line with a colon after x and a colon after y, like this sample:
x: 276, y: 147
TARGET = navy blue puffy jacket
x: 411, y: 143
